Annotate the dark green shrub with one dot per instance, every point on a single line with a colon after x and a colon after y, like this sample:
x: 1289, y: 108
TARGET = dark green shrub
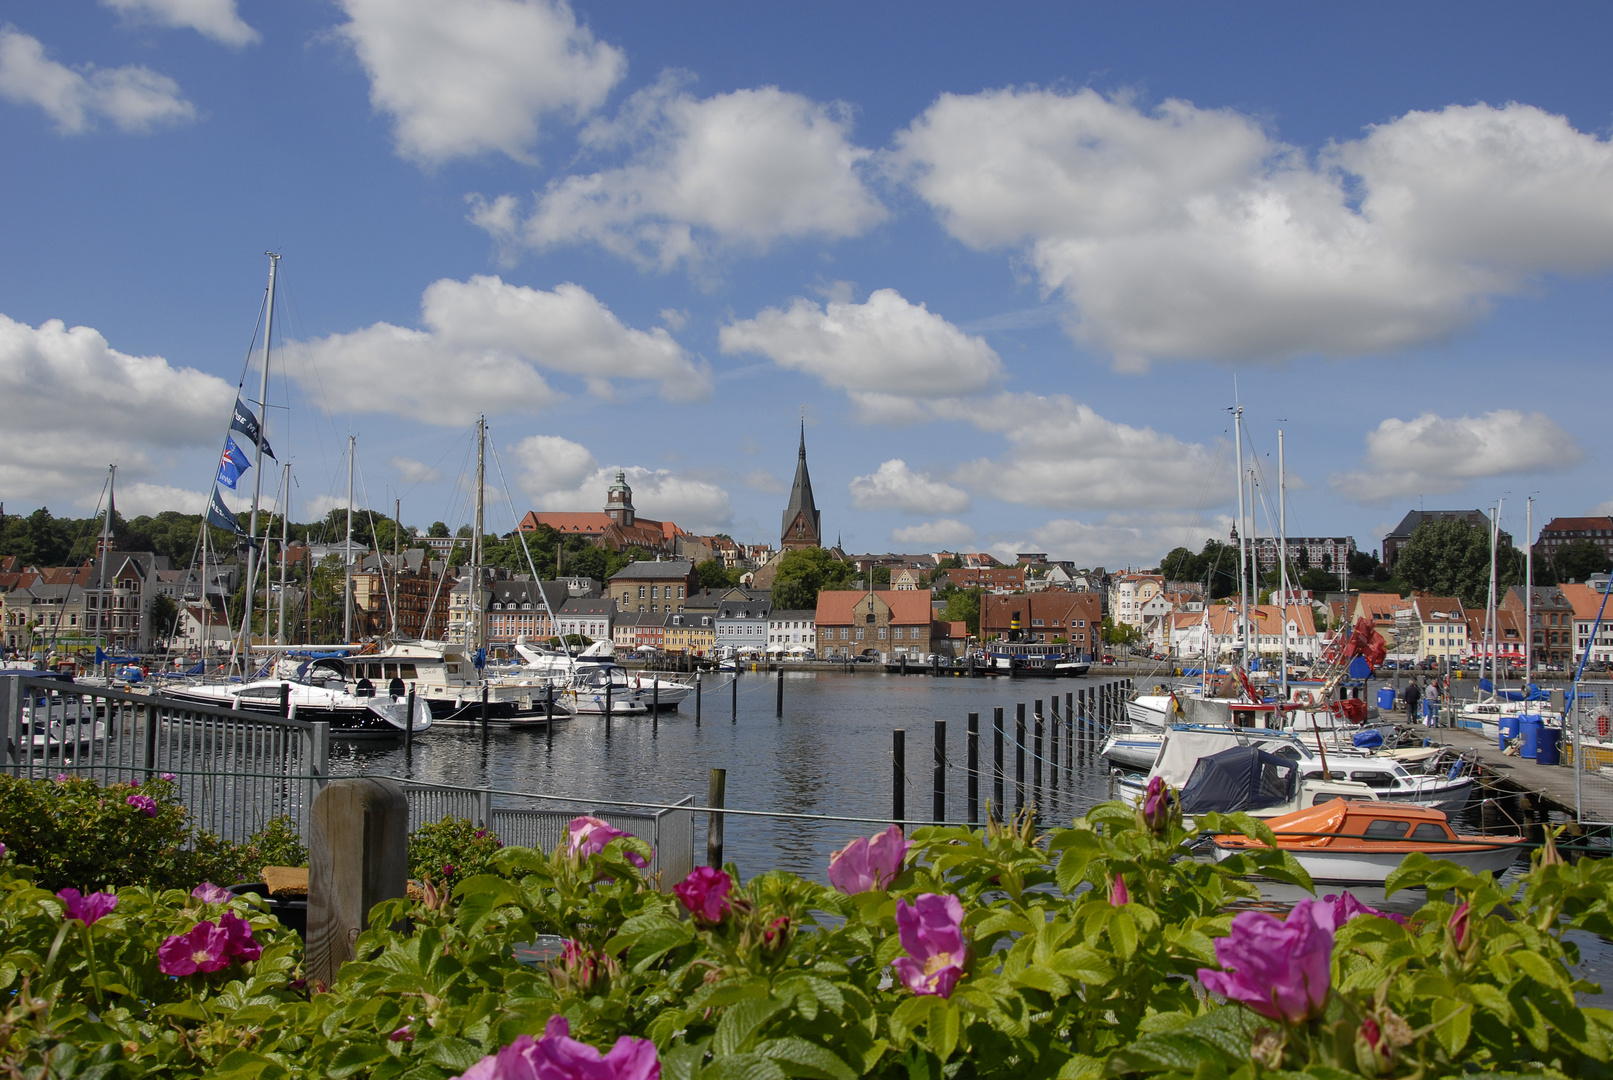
x: 277, y: 844
x: 451, y: 850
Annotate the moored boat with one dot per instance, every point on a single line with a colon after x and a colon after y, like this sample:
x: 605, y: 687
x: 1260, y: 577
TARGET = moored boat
x: 1362, y: 842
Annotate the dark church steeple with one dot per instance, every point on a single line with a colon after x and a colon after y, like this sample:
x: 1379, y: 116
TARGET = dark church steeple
x: 801, y: 527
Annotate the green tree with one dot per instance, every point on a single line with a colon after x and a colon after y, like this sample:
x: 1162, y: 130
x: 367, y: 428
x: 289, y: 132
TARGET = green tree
x: 1318, y: 581
x: 162, y: 615
x: 1449, y: 557
x: 951, y: 562
x: 803, y: 574
x: 962, y: 605
x: 713, y: 574
x: 1118, y: 633
x: 1578, y: 560
x: 438, y: 528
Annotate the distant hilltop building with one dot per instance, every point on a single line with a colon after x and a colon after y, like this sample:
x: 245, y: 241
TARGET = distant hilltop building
x: 1330, y: 553
x: 801, y: 524
x: 1560, y: 532
x: 1401, y: 533
x: 618, y: 526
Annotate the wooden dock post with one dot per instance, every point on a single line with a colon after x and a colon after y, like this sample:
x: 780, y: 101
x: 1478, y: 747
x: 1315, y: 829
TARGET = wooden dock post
x: 1036, y: 753
x: 1019, y: 756
x: 997, y: 762
x: 484, y: 708
x: 358, y: 855
x: 733, y: 701
x: 610, y: 706
x: 1069, y: 741
x: 938, y: 812
x: 548, y: 715
x: 408, y: 725
x: 899, y: 778
x: 779, y: 710
x: 285, y: 699
x: 716, y: 796
x: 1053, y: 742
x: 973, y: 779
x: 655, y: 704
x: 697, y: 699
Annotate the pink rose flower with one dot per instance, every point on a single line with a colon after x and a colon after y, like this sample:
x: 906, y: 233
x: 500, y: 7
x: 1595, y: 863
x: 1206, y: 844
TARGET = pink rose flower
x: 589, y: 835
x: 1461, y: 925
x: 87, y: 909
x: 931, y: 930
x: 704, y: 894
x: 868, y: 862
x: 1280, y: 969
x: 1118, y: 896
x: 1347, y: 907
x: 239, y: 934
x: 169, y: 776
x: 557, y: 1056
x: 143, y: 803
x: 1157, y: 805
x: 206, y: 947
x: 208, y: 893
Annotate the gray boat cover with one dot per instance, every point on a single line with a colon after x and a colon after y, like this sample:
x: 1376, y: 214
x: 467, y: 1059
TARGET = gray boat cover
x: 1242, y: 778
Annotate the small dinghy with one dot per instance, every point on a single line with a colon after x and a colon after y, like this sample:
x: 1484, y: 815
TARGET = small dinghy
x: 1359, y: 843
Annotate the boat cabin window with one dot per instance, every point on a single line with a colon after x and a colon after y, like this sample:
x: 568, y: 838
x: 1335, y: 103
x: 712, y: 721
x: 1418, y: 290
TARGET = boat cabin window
x: 1386, y: 829
x: 407, y: 671
x: 261, y: 692
x: 1429, y: 831
x: 453, y: 669
x: 1373, y: 778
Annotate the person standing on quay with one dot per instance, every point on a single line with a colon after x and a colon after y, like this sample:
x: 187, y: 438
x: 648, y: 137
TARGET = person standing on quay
x: 1412, y: 695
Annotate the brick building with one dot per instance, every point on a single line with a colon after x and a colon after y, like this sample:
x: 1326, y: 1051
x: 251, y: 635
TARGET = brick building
x: 1045, y: 617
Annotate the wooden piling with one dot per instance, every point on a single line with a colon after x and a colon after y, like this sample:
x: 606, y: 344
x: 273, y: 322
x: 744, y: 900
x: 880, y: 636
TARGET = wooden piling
x: 1019, y: 756
x: 610, y: 705
x: 1053, y: 742
x: 899, y: 778
x: 1036, y: 753
x: 779, y: 709
x: 697, y: 700
x: 358, y: 855
x: 973, y: 779
x: 733, y: 701
x: 1069, y: 740
x: 997, y: 762
x: 938, y: 811
x: 408, y: 725
x: 716, y: 793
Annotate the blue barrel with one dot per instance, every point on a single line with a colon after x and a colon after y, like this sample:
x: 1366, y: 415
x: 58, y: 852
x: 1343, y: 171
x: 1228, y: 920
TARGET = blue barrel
x: 1550, y: 749
x: 1386, y: 700
x: 1531, y: 736
x: 1509, y: 728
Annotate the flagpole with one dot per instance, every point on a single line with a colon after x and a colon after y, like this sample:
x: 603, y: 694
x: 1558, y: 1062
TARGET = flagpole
x: 257, y: 481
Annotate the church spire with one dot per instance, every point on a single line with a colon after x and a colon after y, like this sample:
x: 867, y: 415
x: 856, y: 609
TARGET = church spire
x: 801, y: 524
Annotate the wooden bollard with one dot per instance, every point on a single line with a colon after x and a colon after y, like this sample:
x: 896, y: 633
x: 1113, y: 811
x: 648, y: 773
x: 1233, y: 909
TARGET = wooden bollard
x: 733, y: 700
x: 973, y: 778
x: 1069, y: 741
x: 655, y: 704
x: 1036, y: 753
x: 716, y: 795
x: 697, y: 699
x: 997, y: 762
x: 779, y: 709
x: 548, y: 714
x: 408, y: 723
x: 484, y: 708
x: 899, y: 778
x: 358, y: 855
x: 1019, y: 756
x: 938, y: 811
x: 610, y: 705
x: 285, y: 699
x: 1053, y: 742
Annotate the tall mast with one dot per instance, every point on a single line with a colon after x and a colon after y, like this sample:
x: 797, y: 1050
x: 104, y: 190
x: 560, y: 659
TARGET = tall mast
x: 474, y: 630
x: 285, y: 536
x: 1528, y: 593
x: 1243, y: 561
x: 257, y: 479
x: 347, y: 559
x: 397, y: 533
x: 1282, y: 559
x: 106, y: 550
x: 1492, y: 615
x: 1251, y: 623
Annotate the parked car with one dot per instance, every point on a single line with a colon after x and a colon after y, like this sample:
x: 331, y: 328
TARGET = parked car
x: 1108, y: 658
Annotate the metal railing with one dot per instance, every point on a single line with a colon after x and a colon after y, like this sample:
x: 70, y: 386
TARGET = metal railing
x: 669, y: 830
x: 235, y: 771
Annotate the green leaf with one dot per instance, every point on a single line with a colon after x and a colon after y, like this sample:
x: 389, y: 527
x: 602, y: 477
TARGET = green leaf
x: 742, y: 1067
x: 1453, y: 1022
x: 1175, y: 1052
x: 797, y: 1057
x: 1409, y: 874
x: 356, y: 1057
x: 740, y: 1021
x: 1123, y: 933
x: 1540, y: 969
x: 245, y: 1065
x: 1083, y: 964
x: 944, y: 1027
x: 456, y: 1054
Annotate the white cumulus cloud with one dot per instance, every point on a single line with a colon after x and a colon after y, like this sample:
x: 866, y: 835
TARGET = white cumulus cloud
x: 411, y: 471
x: 216, y: 19
x: 465, y: 78
x: 885, y: 352
x: 70, y: 405
x: 485, y: 348
x: 1180, y: 232
x: 1116, y: 540
x: 1063, y: 454
x: 1432, y: 454
x: 134, y: 98
x: 894, y: 486
x: 559, y: 474
x: 940, y: 533
x: 739, y: 170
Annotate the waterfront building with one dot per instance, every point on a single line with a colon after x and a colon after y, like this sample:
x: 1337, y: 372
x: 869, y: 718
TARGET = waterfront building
x: 1380, y: 608
x: 618, y: 526
x: 1401, y: 533
x: 1508, y: 635
x: 516, y: 609
x: 885, y: 622
x: 741, y: 625
x: 994, y: 579
x: 1587, y: 602
x: 1128, y: 593
x: 655, y: 587
x: 1560, y: 532
x: 790, y: 628
x: 1432, y: 628
x: 690, y: 633
x: 1553, y: 628
x: 1050, y: 616
x: 1329, y: 553
x: 589, y: 617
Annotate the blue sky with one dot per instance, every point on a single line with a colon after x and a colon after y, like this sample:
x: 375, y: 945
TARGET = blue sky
x: 1009, y: 261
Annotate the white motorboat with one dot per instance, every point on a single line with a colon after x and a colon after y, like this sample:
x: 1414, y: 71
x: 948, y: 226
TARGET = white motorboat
x: 323, y: 697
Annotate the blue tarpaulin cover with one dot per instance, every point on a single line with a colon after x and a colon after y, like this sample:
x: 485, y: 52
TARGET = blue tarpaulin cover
x: 1242, y: 778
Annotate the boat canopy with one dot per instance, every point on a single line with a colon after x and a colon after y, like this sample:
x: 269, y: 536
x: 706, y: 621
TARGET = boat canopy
x: 1182, y: 750
x: 1240, y: 779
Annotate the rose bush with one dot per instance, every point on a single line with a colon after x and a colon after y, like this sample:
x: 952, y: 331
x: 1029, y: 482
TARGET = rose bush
x: 1098, y: 950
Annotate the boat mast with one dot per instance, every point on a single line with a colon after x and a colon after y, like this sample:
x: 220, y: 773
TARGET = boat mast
x: 1528, y: 594
x: 257, y: 479
x: 1492, y: 615
x: 397, y: 534
x: 106, y: 550
x: 474, y: 630
x: 347, y: 558
x: 1251, y: 620
x: 1243, y: 560
x: 285, y: 536
x: 1282, y: 559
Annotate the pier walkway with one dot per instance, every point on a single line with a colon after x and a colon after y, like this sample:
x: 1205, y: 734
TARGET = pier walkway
x: 1550, y: 787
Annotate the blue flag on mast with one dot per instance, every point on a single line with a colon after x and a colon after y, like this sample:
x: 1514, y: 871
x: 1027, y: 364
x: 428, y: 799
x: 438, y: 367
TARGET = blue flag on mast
x: 246, y: 422
x: 219, y: 515
x: 233, y: 463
